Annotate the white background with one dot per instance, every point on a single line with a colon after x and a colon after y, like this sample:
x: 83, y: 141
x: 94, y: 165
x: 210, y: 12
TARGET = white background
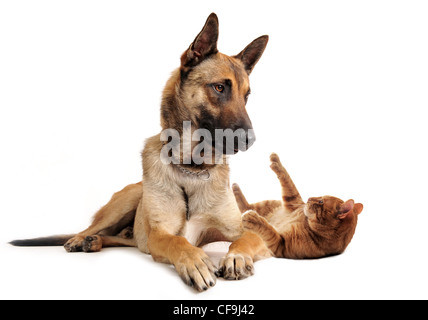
x: 340, y: 94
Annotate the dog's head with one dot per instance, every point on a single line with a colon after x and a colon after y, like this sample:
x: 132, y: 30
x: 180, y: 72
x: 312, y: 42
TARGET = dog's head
x: 210, y: 89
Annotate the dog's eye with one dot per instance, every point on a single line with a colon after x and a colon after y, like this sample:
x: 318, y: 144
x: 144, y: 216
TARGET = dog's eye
x: 321, y: 202
x: 219, y: 88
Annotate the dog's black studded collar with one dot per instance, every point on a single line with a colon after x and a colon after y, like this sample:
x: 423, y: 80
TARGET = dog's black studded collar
x: 203, y: 174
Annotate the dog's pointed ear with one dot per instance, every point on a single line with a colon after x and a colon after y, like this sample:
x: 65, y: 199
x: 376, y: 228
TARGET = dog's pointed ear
x: 253, y: 52
x: 204, y: 45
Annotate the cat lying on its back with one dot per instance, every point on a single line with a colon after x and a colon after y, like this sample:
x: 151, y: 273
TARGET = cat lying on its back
x: 292, y: 229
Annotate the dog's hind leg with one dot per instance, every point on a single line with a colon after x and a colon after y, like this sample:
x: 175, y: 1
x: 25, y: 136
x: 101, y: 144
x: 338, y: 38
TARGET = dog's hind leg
x: 117, y: 214
x: 96, y: 242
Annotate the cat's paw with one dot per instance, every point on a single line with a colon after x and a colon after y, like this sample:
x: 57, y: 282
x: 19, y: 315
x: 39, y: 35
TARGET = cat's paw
x: 251, y: 220
x: 235, y: 266
x: 274, y: 157
x: 236, y: 189
x: 276, y: 165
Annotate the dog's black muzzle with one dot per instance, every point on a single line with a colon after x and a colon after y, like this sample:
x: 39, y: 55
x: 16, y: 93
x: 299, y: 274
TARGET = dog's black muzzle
x: 240, y: 138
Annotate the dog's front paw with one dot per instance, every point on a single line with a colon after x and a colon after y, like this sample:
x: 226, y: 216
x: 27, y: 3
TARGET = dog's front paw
x: 196, y: 269
x: 236, y: 267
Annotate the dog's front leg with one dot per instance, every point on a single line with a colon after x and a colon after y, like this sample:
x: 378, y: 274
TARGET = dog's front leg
x: 191, y: 263
x: 245, y: 247
x: 238, y: 263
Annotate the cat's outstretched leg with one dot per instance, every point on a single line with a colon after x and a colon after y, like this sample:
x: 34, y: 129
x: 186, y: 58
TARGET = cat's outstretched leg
x: 263, y: 208
x: 290, y: 195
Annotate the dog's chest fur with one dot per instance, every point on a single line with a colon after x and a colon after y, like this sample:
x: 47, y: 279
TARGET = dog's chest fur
x: 194, y: 229
x: 185, y: 205
x: 200, y: 209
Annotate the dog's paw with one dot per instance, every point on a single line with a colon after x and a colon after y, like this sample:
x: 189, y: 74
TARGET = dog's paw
x: 236, y: 267
x: 81, y: 243
x: 75, y: 244
x: 127, y: 233
x: 196, y: 269
x: 92, y: 244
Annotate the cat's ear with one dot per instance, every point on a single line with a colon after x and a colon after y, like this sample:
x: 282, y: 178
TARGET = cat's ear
x: 346, y: 209
x: 253, y: 52
x: 358, y: 207
x: 204, y: 44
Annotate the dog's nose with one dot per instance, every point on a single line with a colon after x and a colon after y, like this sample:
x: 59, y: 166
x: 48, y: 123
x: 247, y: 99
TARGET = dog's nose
x: 251, y: 138
x: 246, y: 138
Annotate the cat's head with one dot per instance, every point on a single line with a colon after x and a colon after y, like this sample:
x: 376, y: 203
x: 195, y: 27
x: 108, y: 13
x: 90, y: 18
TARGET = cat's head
x: 334, y: 219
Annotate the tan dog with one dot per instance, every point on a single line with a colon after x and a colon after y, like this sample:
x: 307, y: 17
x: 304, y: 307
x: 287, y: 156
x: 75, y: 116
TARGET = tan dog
x: 186, y: 204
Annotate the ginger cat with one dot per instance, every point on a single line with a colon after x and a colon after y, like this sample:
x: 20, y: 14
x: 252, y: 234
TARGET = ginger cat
x: 290, y: 228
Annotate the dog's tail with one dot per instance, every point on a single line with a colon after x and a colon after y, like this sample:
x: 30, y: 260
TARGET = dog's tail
x: 58, y: 240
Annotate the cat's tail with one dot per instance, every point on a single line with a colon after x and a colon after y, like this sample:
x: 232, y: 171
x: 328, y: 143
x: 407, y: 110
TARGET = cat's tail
x: 58, y: 240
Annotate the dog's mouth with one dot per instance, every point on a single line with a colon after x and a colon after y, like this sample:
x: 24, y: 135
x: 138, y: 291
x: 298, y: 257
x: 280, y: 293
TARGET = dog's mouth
x: 237, y: 143
x: 231, y: 150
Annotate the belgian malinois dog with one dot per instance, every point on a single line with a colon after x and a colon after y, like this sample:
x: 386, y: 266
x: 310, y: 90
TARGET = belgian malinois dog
x: 182, y: 205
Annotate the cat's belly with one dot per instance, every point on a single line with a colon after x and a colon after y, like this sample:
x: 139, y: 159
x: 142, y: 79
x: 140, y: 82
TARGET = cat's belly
x: 281, y: 220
